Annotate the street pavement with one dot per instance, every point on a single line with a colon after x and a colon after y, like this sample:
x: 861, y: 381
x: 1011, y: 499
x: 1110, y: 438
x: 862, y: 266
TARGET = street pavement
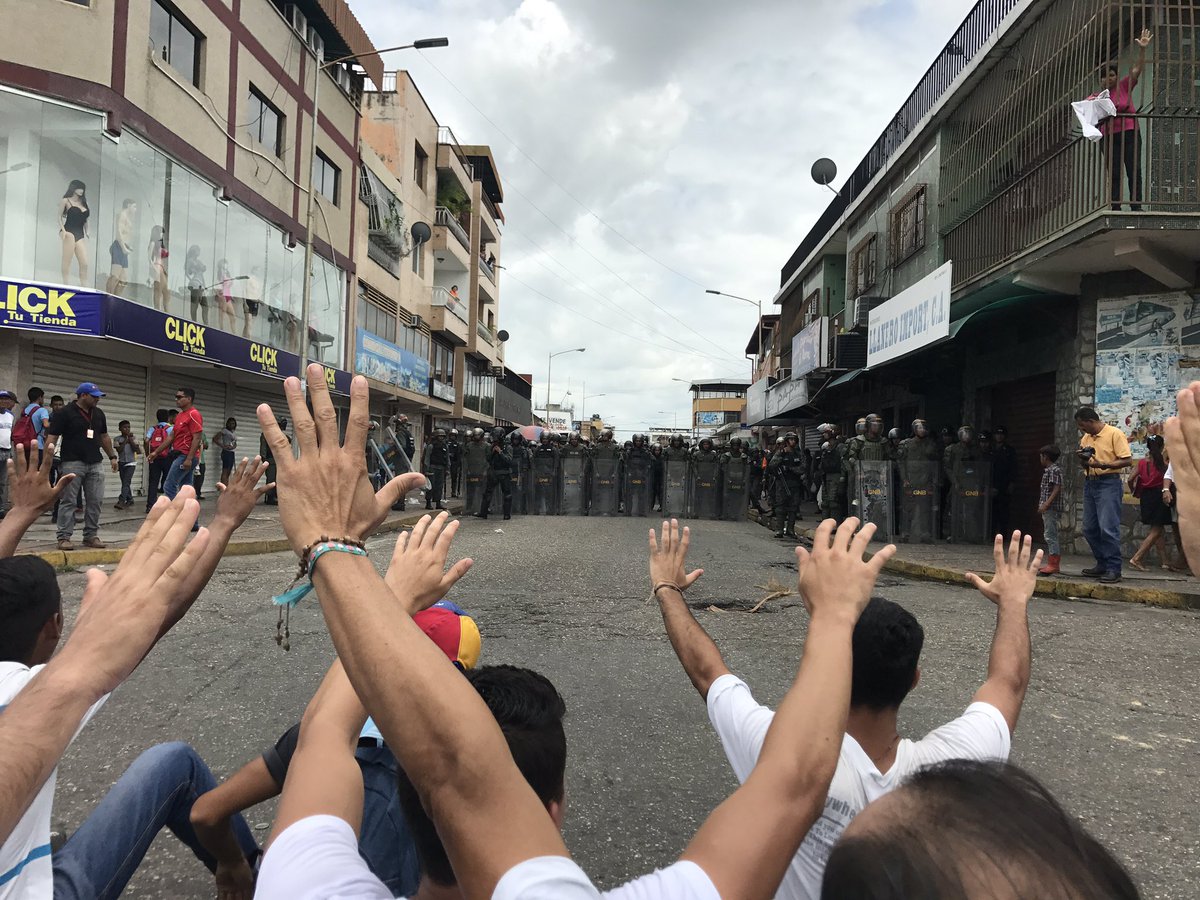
x: 1111, y: 721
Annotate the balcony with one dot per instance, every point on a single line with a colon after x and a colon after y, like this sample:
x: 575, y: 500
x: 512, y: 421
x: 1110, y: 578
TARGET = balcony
x: 449, y: 317
x: 484, y: 345
x: 1061, y: 220
x: 446, y: 219
x: 485, y: 333
x: 487, y: 270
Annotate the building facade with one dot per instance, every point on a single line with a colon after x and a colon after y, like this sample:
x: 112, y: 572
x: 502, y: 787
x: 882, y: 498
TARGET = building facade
x: 988, y: 264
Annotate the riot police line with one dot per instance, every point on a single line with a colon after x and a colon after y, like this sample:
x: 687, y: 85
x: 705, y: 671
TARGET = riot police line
x: 505, y: 472
x: 914, y: 490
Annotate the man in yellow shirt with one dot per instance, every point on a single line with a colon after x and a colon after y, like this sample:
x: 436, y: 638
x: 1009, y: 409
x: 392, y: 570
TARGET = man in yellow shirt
x: 1104, y: 454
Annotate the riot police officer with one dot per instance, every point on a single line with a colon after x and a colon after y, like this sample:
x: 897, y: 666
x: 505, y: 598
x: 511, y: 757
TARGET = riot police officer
x: 499, y: 475
x: 454, y: 452
x: 521, y: 475
x: 606, y: 476
x: 735, y: 482
x: 787, y: 466
x: 705, y: 484
x: 574, y: 467
x: 1004, y: 476
x: 833, y: 485
x: 475, y: 470
x: 869, y: 462
x: 435, y: 460
x: 676, y: 468
x: 544, y: 497
x: 968, y: 476
x: 639, y: 488
x: 656, y: 476
x: 919, y: 457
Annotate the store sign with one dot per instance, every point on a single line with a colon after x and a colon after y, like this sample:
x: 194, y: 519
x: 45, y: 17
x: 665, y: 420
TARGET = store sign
x: 705, y: 419
x: 384, y: 361
x: 756, y: 401
x: 810, y: 348
x: 45, y: 307
x: 441, y: 390
x: 337, y: 380
x: 911, y: 320
x: 786, y: 396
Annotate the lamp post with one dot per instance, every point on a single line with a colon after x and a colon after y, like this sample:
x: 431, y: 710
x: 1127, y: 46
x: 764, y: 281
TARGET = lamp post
x: 306, y: 295
x: 758, y: 303
x: 549, y: 363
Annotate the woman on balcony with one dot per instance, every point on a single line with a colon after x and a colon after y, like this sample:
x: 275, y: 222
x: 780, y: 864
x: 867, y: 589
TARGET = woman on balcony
x: 1121, y: 137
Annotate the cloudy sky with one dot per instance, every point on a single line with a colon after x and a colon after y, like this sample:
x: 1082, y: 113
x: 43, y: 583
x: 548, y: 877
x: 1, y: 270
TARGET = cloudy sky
x: 652, y: 148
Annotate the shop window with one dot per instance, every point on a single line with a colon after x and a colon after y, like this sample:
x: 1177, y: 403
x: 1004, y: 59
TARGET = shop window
x: 265, y: 122
x: 175, y: 40
x: 327, y: 178
x: 864, y: 269
x: 908, y: 225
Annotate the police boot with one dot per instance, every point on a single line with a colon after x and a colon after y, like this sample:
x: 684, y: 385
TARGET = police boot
x: 483, y: 510
x: 508, y: 507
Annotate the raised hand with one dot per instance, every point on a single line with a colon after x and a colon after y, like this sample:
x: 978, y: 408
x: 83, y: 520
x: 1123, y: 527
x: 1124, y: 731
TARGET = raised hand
x: 834, y: 577
x: 29, y: 486
x: 668, y: 557
x: 417, y: 573
x: 1183, y: 442
x: 1144, y: 40
x: 238, y: 498
x: 326, y: 491
x: 1016, y: 571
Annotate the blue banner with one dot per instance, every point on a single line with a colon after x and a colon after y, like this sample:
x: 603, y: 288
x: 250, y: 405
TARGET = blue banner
x: 384, y: 361
x: 45, y: 307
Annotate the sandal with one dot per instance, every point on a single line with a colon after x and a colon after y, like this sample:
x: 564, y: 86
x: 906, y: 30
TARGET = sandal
x: 1137, y: 565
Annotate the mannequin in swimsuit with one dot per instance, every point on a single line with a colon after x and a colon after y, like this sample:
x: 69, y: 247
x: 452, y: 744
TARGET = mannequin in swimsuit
x: 156, y: 255
x: 121, y: 247
x: 73, y: 215
x: 223, y: 295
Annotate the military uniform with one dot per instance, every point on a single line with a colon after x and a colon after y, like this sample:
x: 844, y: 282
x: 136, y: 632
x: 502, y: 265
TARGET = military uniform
x: 475, y: 470
x: 919, y: 487
x: 521, y: 473
x: 676, y: 466
x: 637, y: 467
x: 705, y: 481
x: 574, y: 469
x: 787, y: 467
x: 435, y: 460
x: 735, y: 482
x: 499, y: 476
x: 454, y: 452
x: 543, y: 499
x: 606, y: 476
x: 833, y: 480
x: 968, y: 475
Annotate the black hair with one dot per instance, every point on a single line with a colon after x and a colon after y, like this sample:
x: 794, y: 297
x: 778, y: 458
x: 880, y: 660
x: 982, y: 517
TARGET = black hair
x: 231, y: 419
x: 188, y: 392
x: 1109, y: 68
x: 1051, y: 452
x: 35, y: 394
x: 1086, y: 414
x: 161, y: 414
x: 57, y: 397
x: 127, y: 202
x: 124, y: 422
x: 530, y: 712
x: 1154, y: 444
x: 29, y: 598
x: 76, y: 185
x: 887, y: 645
x: 967, y: 822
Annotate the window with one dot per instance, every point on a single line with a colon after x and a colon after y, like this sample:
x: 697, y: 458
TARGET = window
x: 327, y: 178
x: 420, y: 165
x: 175, y: 41
x: 373, y: 312
x: 415, y: 341
x: 908, y: 225
x: 864, y: 267
x: 443, y: 363
x: 266, y: 122
x: 418, y: 260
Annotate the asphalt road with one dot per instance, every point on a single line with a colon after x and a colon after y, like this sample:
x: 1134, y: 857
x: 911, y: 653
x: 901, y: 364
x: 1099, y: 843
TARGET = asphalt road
x: 1111, y: 722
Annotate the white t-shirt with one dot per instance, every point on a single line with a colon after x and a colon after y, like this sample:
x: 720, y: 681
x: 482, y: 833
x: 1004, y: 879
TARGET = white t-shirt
x: 980, y: 734
x: 25, y: 869
x: 317, y: 858
x: 7, y: 420
x: 682, y: 881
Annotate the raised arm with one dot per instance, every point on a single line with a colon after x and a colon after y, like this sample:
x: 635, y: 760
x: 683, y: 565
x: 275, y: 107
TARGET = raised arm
x: 745, y: 846
x: 29, y: 493
x: 448, y: 742
x: 697, y: 652
x: 1140, y: 63
x: 1183, y: 437
x: 1010, y: 589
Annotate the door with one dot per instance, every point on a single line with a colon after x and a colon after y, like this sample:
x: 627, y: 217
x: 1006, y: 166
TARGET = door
x: 1026, y: 409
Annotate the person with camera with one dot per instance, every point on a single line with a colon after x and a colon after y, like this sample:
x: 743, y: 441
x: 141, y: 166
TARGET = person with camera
x: 1103, y: 453
x: 499, y: 474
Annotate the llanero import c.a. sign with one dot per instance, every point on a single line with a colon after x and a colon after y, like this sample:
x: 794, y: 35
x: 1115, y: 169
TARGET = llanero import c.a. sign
x: 910, y: 320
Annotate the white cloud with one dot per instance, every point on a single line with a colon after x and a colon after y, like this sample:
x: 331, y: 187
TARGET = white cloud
x: 689, y: 128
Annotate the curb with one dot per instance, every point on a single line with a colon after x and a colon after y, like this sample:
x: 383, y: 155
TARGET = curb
x: 74, y: 559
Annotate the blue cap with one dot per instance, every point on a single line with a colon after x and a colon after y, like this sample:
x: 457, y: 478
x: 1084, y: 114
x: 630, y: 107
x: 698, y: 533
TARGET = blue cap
x: 88, y: 388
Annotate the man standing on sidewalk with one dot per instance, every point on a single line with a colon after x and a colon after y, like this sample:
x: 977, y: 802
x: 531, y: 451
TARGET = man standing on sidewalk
x: 81, y: 431
x: 186, y: 442
x: 1103, y: 453
x: 7, y: 420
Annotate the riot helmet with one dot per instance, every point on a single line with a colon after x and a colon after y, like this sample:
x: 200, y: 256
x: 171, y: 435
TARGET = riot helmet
x: 985, y: 437
x: 735, y: 446
x: 677, y: 441
x: 498, y: 434
x: 826, y: 447
x: 606, y: 434
x: 860, y: 426
x: 791, y: 436
x: 639, y: 440
x: 706, y: 444
x: 966, y: 434
x: 874, y: 425
x: 545, y: 438
x: 824, y: 427
x: 919, y: 428
x: 439, y: 434
x: 453, y: 432
x: 894, y: 435
x: 477, y: 434
x: 573, y: 439
x: 516, y: 439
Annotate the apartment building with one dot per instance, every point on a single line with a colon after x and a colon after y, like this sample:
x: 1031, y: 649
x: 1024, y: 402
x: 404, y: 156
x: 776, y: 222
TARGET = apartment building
x: 718, y: 408
x: 986, y: 263
x: 154, y: 163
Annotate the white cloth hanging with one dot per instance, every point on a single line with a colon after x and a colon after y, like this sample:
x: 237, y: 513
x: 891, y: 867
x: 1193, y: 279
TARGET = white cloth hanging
x: 1092, y: 112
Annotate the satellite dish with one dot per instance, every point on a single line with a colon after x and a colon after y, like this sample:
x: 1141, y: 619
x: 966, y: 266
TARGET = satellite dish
x: 503, y: 335
x: 824, y: 171
x: 421, y: 232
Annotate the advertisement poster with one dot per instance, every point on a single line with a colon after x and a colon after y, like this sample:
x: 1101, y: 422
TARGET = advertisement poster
x: 1147, y: 347
x: 810, y: 348
x: 48, y: 307
x: 384, y: 361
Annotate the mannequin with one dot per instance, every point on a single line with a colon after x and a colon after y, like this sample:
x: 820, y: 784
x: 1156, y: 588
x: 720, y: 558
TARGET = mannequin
x: 119, y: 250
x: 73, y: 215
x: 156, y: 257
x: 223, y: 295
x: 194, y: 269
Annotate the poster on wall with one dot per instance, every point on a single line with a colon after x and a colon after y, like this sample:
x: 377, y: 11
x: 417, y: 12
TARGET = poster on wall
x: 1147, y: 347
x: 384, y: 361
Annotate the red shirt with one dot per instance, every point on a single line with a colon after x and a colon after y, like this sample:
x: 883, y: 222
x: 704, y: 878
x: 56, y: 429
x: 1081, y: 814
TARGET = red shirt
x: 189, y: 422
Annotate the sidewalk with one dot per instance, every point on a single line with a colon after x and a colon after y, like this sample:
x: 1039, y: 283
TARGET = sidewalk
x: 949, y: 563
x: 261, y: 532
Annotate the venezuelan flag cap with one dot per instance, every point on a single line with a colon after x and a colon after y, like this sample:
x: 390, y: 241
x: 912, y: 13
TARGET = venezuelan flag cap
x: 455, y: 633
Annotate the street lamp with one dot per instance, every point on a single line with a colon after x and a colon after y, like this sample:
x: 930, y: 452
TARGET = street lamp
x: 758, y: 303
x: 549, y: 363
x: 306, y: 302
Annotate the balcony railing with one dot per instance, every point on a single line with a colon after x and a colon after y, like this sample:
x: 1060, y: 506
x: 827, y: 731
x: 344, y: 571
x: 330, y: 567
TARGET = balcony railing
x: 487, y: 270
x: 446, y: 218
x: 485, y: 333
x: 455, y: 305
x: 446, y: 136
x: 1073, y: 184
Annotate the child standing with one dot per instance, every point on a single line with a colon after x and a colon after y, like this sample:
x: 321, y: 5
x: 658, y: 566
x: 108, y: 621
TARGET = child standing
x: 1050, y: 506
x: 127, y: 447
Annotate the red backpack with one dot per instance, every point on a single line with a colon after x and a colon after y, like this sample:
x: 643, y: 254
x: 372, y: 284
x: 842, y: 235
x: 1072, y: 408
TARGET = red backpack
x: 158, y: 436
x: 24, y: 432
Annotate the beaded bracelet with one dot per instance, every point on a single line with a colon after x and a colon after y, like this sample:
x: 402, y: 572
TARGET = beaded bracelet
x: 297, y: 591
x: 665, y: 584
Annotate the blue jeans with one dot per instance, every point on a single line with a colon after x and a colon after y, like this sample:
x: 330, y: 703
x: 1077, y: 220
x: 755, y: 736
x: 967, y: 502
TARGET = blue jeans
x: 89, y: 477
x: 177, y: 475
x: 158, y: 789
x: 1050, y: 530
x: 1102, y: 520
x: 386, y: 842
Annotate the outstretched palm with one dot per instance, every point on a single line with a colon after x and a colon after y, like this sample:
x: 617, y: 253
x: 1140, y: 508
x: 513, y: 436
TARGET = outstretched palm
x: 1144, y: 40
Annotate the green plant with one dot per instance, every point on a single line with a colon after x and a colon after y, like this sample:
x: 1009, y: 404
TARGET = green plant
x: 451, y: 195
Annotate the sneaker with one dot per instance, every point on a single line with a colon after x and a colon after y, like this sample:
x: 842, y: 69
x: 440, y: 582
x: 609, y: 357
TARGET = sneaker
x: 93, y: 543
x: 1110, y: 577
x: 1093, y: 572
x: 65, y: 545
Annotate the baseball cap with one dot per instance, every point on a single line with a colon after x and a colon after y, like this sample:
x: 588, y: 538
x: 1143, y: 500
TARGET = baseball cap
x: 89, y: 388
x: 454, y: 632
x: 8, y: 395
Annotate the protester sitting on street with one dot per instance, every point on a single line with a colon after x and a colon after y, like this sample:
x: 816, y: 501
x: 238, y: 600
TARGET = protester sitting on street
x: 128, y: 451
x: 82, y: 432
x: 873, y: 759
x: 495, y: 829
x: 971, y: 830
x: 1146, y: 484
x: 120, y: 620
x: 1050, y: 506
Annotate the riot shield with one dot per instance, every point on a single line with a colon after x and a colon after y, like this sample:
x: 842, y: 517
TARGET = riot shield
x: 606, y: 474
x: 920, y: 502
x: 875, y: 495
x: 545, y: 485
x: 735, y: 488
x: 675, y: 488
x: 573, y: 472
x: 475, y: 466
x: 706, y: 487
x: 521, y: 484
x: 971, y: 502
x: 639, y: 487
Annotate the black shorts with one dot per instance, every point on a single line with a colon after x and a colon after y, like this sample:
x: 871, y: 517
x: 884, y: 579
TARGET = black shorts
x: 120, y: 257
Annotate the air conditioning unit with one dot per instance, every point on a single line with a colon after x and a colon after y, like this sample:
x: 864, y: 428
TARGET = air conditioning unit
x: 297, y: 20
x: 862, y: 310
x: 417, y: 322
x: 850, y: 351
x: 344, y: 79
x: 496, y: 371
x: 316, y: 43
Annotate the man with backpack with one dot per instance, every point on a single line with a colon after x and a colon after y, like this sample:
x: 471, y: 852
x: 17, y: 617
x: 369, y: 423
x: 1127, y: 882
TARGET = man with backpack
x: 31, y: 427
x: 158, y: 447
